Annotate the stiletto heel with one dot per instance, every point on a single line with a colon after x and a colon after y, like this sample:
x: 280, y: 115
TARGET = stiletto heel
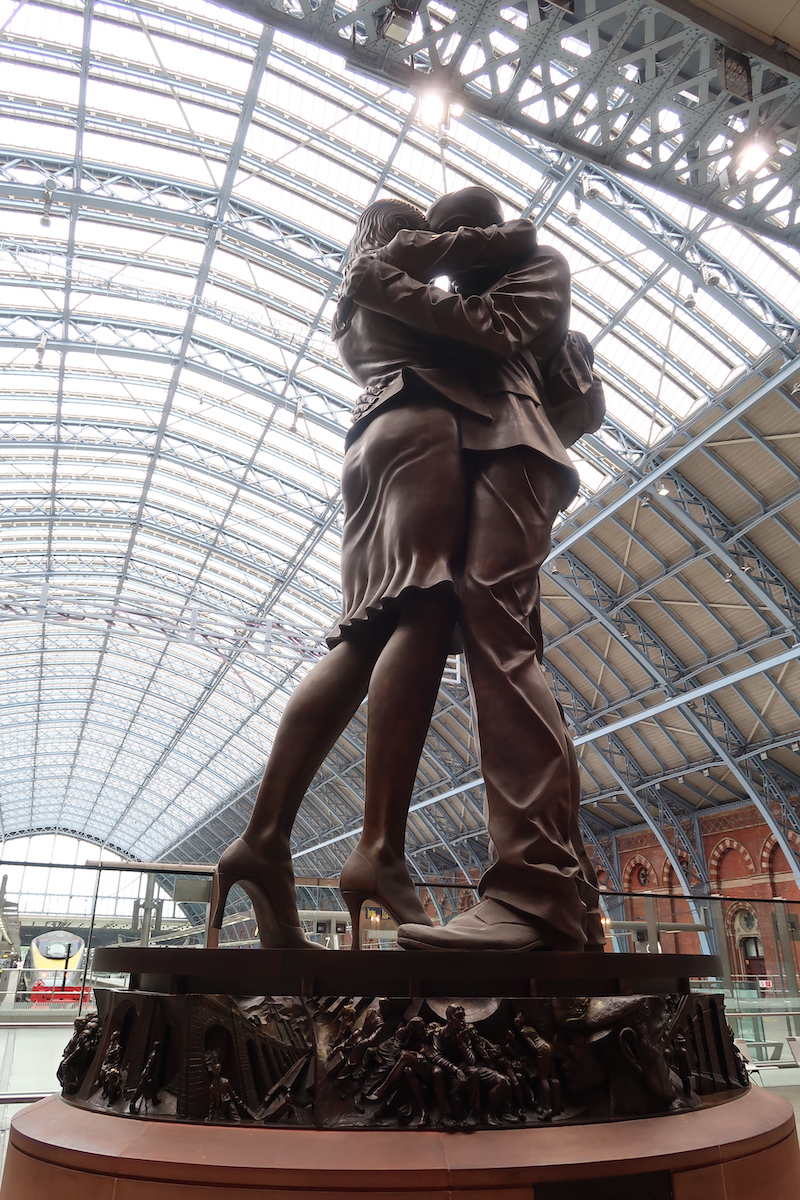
x: 220, y: 886
x: 392, y: 888
x: 354, y: 901
x: 277, y: 917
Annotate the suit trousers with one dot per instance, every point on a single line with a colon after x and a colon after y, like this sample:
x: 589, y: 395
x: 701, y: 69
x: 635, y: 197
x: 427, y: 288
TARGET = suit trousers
x: 538, y: 864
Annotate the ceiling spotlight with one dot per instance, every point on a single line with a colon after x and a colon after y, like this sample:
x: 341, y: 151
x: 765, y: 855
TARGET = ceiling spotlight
x: 432, y: 108
x: 395, y: 20
x: 573, y: 219
x: 663, y: 490
x: 754, y: 157
x: 711, y: 276
x: 691, y: 300
x: 734, y: 73
x: 794, y: 391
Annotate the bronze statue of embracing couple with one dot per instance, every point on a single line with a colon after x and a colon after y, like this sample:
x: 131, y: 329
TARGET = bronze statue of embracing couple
x: 454, y: 470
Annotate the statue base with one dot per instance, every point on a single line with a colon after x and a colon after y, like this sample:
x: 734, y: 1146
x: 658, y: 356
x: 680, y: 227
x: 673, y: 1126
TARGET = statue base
x: 374, y: 1041
x: 724, y: 1152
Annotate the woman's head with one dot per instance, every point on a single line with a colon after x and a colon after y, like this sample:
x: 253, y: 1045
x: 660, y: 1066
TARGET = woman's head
x: 379, y: 222
x: 376, y: 227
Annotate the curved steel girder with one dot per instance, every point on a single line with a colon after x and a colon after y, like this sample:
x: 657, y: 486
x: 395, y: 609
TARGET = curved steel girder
x: 176, y: 342
x: 68, y: 831
x: 683, y: 773
x: 73, y: 437
x: 278, y: 233
x: 248, y: 623
x: 162, y: 521
x: 151, y: 569
x: 675, y: 242
x: 658, y: 230
x: 607, y: 505
x: 208, y: 93
x: 713, y: 530
x: 254, y: 565
x: 275, y: 338
x: 630, y: 774
x: 702, y: 728
x: 594, y: 837
x: 264, y: 328
x: 340, y: 151
x: 171, y: 672
x: 319, y: 407
x: 134, y: 734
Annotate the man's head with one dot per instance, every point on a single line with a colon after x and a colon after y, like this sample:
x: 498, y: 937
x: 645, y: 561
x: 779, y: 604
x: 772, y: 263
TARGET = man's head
x: 471, y: 206
x: 455, y: 1014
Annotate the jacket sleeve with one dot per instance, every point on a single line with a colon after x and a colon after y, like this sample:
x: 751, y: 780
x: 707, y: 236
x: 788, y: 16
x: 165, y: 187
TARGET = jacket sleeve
x: 423, y: 255
x: 525, y: 305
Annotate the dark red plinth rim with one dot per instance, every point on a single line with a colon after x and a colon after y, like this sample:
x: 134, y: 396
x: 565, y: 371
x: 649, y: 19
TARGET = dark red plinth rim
x: 223, y: 1161
x: 472, y: 974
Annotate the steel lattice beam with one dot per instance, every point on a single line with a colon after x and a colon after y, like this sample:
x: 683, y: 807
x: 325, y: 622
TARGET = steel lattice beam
x: 626, y: 86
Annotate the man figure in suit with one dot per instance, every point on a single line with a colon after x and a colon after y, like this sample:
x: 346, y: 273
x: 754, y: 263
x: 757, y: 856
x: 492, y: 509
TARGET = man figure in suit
x: 539, y: 890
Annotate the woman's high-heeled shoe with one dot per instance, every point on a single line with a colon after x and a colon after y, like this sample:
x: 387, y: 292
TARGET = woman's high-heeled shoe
x: 362, y: 880
x: 278, y: 920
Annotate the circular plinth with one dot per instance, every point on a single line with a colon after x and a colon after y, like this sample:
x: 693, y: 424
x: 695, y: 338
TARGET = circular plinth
x: 721, y: 1153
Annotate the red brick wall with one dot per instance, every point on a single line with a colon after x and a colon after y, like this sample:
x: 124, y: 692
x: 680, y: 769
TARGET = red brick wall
x: 743, y: 862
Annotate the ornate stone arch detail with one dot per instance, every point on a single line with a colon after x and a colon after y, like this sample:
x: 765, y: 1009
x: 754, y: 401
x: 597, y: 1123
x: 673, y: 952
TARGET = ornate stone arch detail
x: 637, y: 862
x: 769, y: 846
x: 732, y: 915
x: 722, y: 847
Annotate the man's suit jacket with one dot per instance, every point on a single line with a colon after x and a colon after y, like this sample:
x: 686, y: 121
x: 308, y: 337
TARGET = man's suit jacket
x: 482, y: 352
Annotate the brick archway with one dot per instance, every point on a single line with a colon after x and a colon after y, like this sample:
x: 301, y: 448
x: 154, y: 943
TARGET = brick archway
x: 637, y: 861
x: 668, y: 871
x: 769, y: 846
x: 719, y: 852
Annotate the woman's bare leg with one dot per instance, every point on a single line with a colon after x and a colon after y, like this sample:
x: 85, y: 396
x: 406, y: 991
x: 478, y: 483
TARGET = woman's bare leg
x: 317, y: 712
x: 402, y: 694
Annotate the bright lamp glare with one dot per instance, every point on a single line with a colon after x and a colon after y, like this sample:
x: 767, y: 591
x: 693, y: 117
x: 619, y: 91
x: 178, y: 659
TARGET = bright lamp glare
x: 754, y: 157
x: 431, y: 108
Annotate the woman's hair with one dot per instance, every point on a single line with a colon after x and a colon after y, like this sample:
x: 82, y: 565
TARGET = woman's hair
x: 376, y: 227
x: 379, y: 222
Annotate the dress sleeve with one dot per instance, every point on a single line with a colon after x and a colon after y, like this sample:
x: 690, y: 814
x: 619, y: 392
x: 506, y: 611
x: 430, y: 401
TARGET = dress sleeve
x: 525, y: 305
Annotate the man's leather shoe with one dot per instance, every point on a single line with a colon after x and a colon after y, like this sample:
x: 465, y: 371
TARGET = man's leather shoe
x: 490, y: 925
